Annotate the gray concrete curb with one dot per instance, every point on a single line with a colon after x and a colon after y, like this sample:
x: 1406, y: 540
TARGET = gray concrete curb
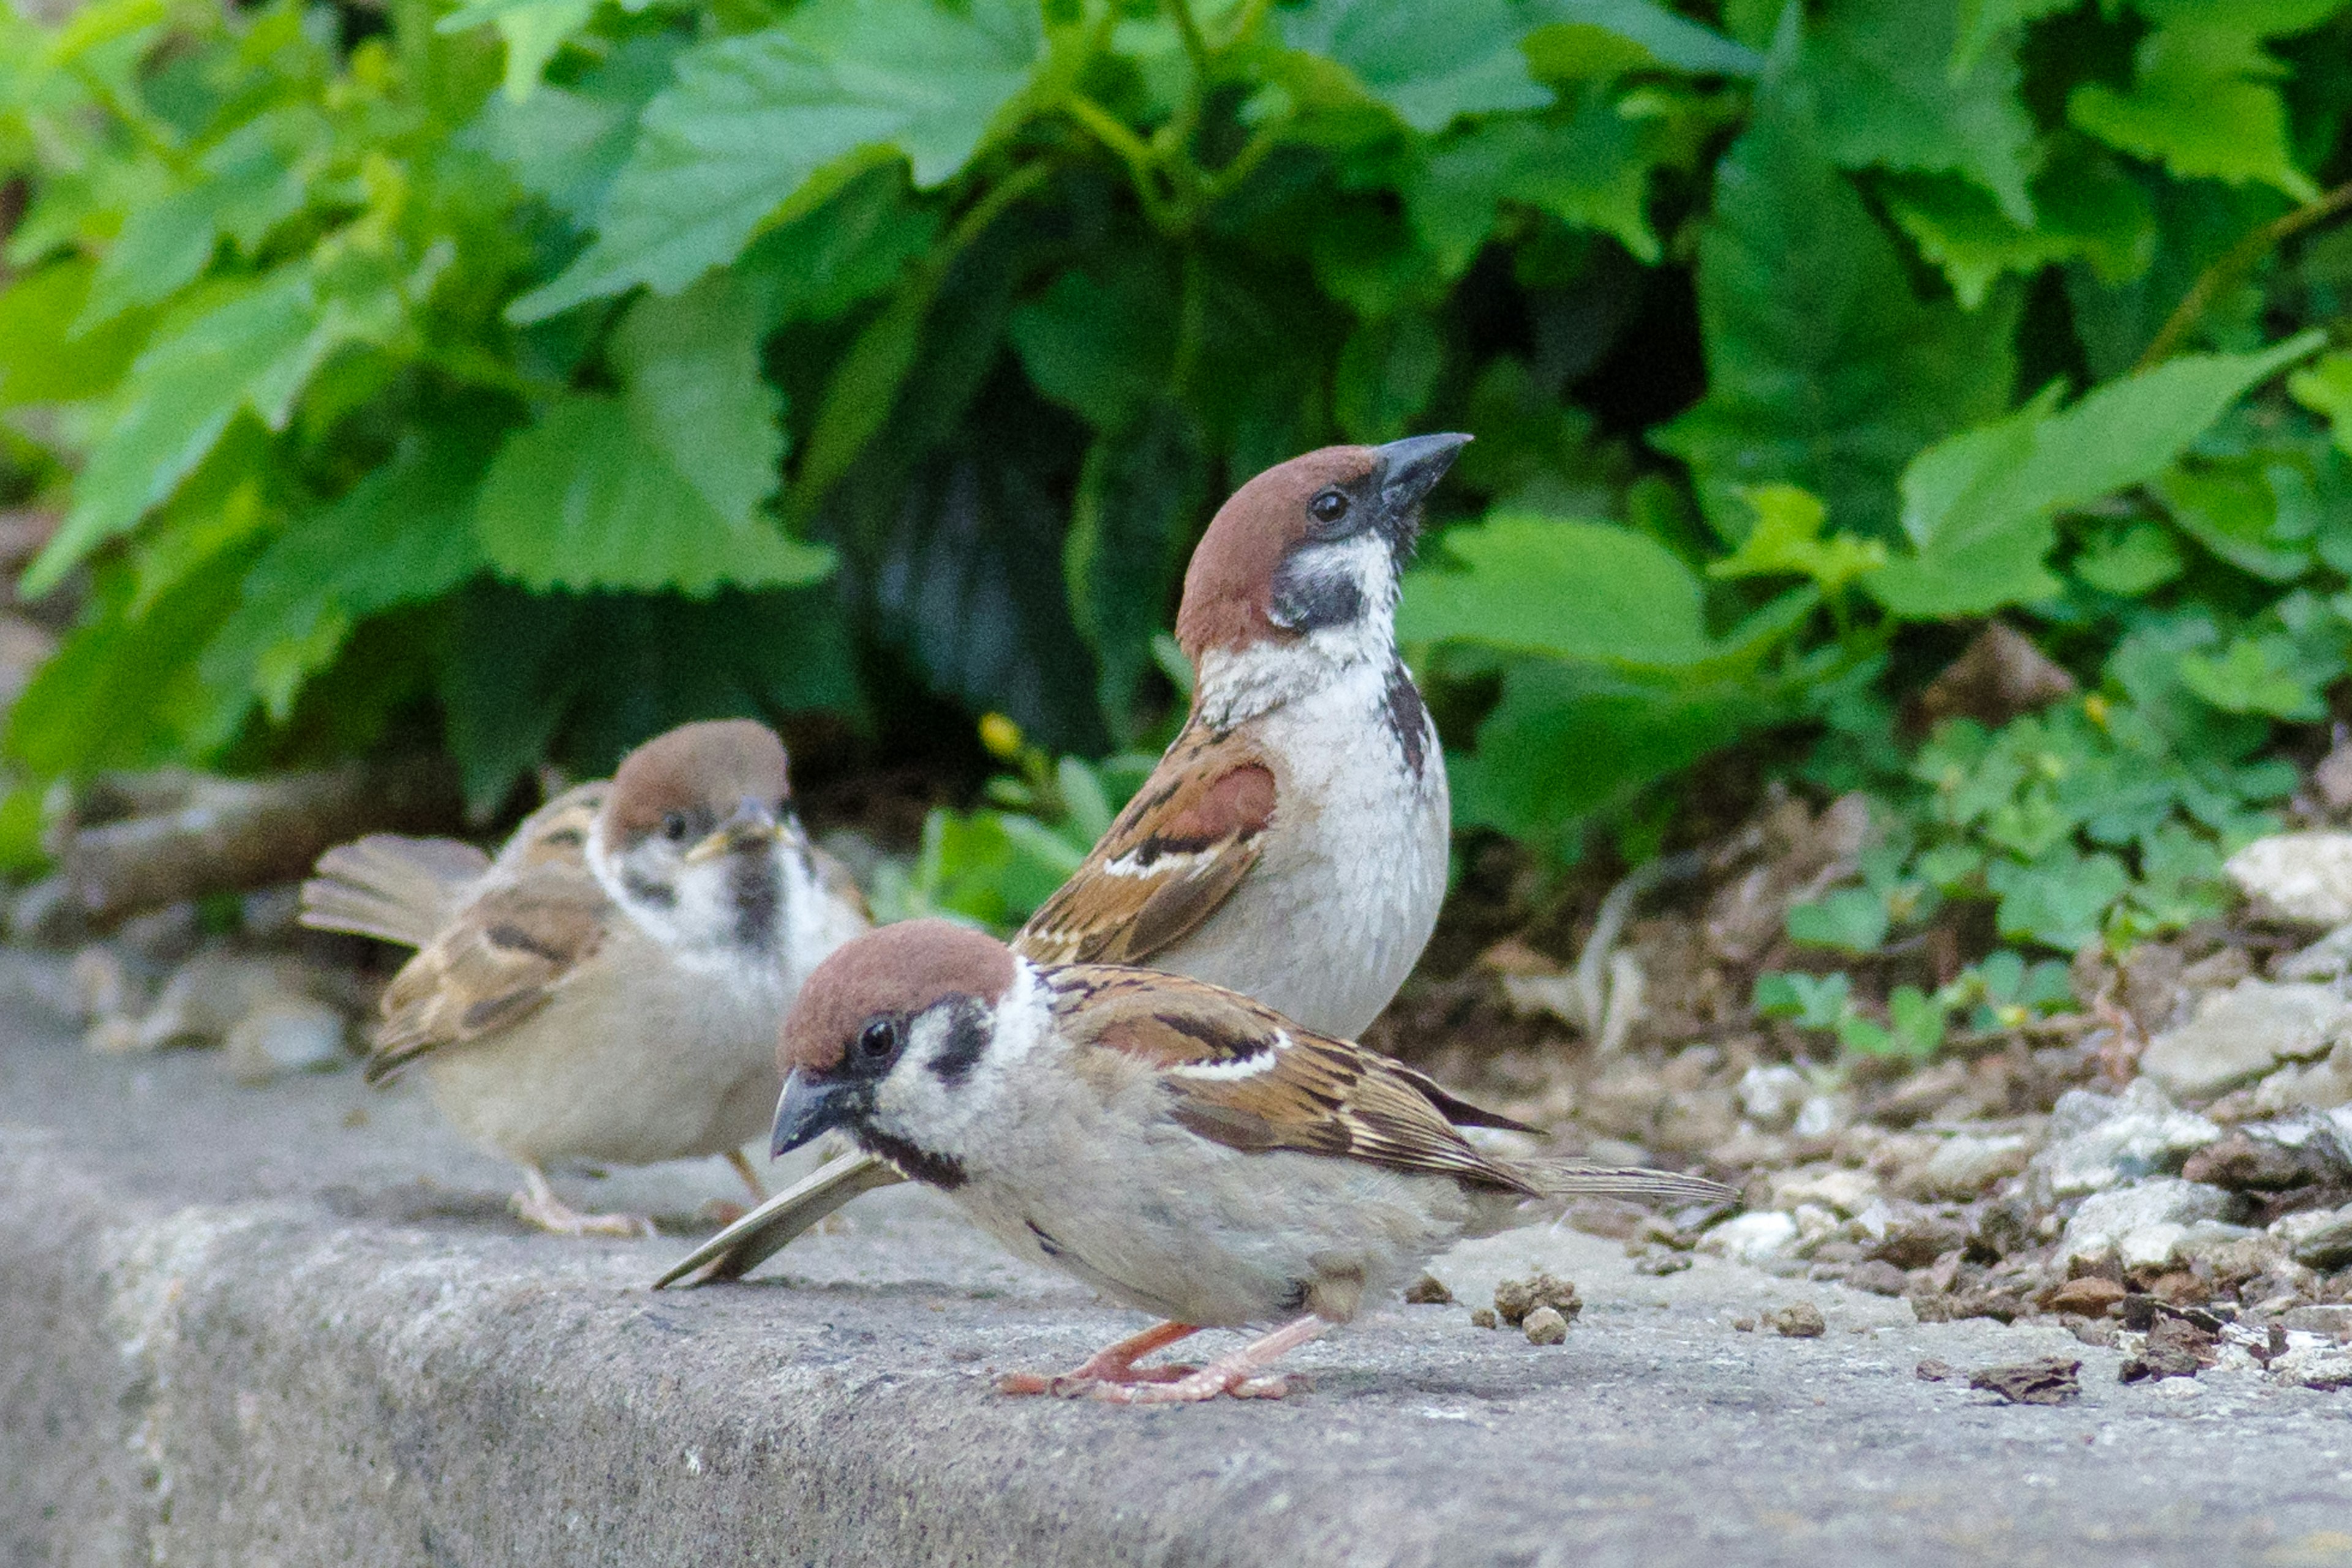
x: 294, y: 1326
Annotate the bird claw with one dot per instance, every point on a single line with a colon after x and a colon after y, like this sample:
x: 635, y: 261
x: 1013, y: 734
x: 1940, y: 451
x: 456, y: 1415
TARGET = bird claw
x: 1083, y: 1384
x: 562, y: 1220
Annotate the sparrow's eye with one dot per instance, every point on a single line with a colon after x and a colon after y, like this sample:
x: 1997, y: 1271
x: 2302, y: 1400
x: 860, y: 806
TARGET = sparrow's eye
x: 1328, y: 506
x: 877, y: 1043
x: 674, y: 827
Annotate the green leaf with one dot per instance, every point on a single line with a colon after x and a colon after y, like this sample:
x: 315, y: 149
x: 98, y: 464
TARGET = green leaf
x: 2231, y: 509
x: 854, y: 245
x: 1982, y: 24
x: 2060, y: 901
x: 1824, y: 370
x: 1812, y: 1000
x: 862, y: 390
x: 690, y: 372
x: 1786, y: 541
x: 2255, y: 675
x: 589, y: 499
x: 1428, y: 61
x: 404, y: 535
x: 1851, y: 919
x: 1568, y: 742
x: 1890, y: 98
x: 2130, y: 562
x: 533, y: 31
x: 1138, y: 497
x: 43, y: 359
x: 1673, y: 41
x: 2200, y: 103
x: 1978, y: 507
x: 2326, y: 389
x: 1386, y: 376
x: 2087, y: 208
x: 761, y: 127
x: 1591, y: 592
x: 565, y: 145
x: 252, y: 353
x: 1102, y: 347
x: 1589, y: 172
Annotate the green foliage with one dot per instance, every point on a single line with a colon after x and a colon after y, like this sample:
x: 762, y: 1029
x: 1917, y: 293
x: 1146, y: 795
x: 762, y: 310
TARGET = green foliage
x: 549, y: 372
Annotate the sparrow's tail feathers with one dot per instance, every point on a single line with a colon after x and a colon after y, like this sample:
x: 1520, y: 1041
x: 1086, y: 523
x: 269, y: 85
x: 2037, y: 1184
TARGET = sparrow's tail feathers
x: 1569, y: 1179
x: 768, y: 1229
x: 395, y: 889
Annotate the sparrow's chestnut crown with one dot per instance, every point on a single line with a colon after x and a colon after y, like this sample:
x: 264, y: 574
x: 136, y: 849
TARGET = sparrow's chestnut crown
x: 683, y: 784
x: 1322, y: 496
x: 882, y: 979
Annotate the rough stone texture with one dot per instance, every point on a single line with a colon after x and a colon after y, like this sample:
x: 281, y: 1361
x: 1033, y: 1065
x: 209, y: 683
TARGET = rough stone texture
x: 2238, y: 1035
x: 2305, y: 877
x: 239, y: 1328
x: 2097, y: 1140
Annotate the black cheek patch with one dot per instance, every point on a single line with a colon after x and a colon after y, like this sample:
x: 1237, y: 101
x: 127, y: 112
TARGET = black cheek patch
x: 1307, y: 600
x: 646, y: 891
x: 940, y: 1171
x: 966, y: 1043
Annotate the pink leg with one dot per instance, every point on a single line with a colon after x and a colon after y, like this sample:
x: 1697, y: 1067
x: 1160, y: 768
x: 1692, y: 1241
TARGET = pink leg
x: 1242, y: 1375
x: 1112, y: 1364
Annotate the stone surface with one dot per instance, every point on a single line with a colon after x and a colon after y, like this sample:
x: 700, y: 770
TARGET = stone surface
x: 297, y: 1325
x: 2325, y: 1241
x: 2305, y: 877
x: 2237, y: 1036
x: 2141, y: 1225
x: 1967, y: 1164
x: 2096, y: 1141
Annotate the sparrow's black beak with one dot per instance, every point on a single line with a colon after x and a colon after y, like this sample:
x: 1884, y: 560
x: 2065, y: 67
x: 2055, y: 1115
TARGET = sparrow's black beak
x: 751, y: 825
x: 810, y: 1109
x: 1409, y: 471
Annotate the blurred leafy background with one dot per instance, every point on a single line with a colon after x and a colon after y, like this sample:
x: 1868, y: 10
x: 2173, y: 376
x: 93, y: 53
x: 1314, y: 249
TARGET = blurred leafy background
x: 523, y: 376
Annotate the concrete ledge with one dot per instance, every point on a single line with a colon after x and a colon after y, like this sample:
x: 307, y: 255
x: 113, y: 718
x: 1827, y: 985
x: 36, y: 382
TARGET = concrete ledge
x: 294, y: 1326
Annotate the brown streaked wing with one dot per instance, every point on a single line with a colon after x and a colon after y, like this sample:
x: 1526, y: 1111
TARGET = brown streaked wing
x: 496, y: 965
x: 1182, y: 846
x: 1312, y: 1093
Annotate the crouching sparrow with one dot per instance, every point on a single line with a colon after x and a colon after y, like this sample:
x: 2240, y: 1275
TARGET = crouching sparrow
x: 1292, y: 842
x: 608, y: 988
x: 1179, y: 1147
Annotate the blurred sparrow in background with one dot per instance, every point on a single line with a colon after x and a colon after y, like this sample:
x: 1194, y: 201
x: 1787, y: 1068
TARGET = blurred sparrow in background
x: 608, y: 988
x: 1291, y: 845
x: 1179, y: 1148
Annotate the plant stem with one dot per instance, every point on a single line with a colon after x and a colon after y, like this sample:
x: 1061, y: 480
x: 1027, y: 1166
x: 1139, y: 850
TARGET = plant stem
x: 1196, y: 47
x: 1263, y: 140
x: 1142, y: 163
x: 991, y: 206
x: 1248, y: 18
x: 2233, y: 268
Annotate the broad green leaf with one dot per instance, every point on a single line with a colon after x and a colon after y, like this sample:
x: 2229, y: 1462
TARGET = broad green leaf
x: 2132, y: 562
x: 1568, y: 743
x: 1978, y: 507
x: 1673, y: 41
x: 1386, y: 376
x: 689, y: 368
x: 533, y: 31
x: 761, y: 127
x: 2326, y: 389
x: 1786, y: 540
x: 2060, y: 901
x: 564, y: 144
x: 252, y: 352
x: 585, y: 498
x: 1590, y: 171
x: 1814, y: 1001
x: 1851, y: 919
x: 2255, y: 675
x: 1982, y: 24
x: 1824, y: 370
x: 1889, y: 98
x: 2201, y: 103
x: 2231, y: 510
x: 403, y: 535
x: 1430, y: 61
x: 1591, y: 592
x: 2086, y: 208
x: 1138, y: 494
x: 42, y: 357
x: 1101, y: 346
x: 859, y: 395
x: 852, y: 246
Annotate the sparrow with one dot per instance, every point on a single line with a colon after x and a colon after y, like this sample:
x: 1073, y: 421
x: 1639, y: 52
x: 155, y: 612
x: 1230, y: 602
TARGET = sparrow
x: 1291, y: 843
x: 608, y: 988
x: 1180, y: 1148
